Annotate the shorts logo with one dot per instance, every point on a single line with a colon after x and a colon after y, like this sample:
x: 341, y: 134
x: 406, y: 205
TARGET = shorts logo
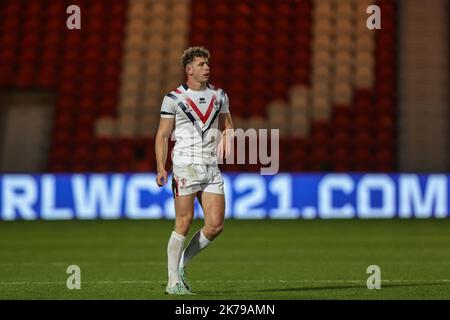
x: 183, y: 182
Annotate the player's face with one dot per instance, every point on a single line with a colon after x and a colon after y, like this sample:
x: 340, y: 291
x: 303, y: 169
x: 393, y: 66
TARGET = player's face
x: 199, y: 69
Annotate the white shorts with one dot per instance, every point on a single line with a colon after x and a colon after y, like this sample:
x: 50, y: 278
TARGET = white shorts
x: 191, y: 178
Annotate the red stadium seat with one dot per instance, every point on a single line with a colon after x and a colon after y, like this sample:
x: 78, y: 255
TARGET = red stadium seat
x: 47, y: 76
x: 12, y: 8
x: 362, y: 122
x: 8, y: 57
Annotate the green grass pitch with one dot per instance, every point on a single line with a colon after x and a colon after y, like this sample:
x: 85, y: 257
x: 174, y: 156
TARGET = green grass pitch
x: 263, y: 259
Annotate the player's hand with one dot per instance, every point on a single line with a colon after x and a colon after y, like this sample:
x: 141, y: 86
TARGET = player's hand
x: 161, y: 178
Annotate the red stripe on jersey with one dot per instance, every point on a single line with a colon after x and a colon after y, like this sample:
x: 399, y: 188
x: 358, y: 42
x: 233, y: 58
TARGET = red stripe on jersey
x: 177, y: 91
x: 203, y: 117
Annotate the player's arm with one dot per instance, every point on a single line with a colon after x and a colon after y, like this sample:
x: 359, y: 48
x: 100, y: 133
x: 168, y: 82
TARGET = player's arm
x: 226, y: 123
x: 161, y: 145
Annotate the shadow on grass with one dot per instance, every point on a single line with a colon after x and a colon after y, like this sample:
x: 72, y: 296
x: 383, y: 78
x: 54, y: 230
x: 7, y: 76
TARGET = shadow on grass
x: 306, y: 289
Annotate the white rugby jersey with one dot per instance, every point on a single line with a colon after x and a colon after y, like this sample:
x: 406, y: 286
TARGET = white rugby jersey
x: 196, y: 114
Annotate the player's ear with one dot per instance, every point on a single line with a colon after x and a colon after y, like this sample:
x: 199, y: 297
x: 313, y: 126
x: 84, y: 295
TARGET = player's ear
x: 189, y: 69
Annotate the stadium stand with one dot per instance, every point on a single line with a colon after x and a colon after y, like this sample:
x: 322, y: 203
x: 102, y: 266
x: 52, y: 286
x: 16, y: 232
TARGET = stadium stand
x: 327, y: 83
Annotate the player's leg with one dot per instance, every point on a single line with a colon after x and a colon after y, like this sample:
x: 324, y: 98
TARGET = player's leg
x: 213, y: 205
x: 184, y: 214
x: 212, y: 201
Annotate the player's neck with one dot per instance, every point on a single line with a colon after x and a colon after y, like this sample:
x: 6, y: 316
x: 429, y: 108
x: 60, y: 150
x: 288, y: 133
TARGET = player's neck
x: 195, y: 85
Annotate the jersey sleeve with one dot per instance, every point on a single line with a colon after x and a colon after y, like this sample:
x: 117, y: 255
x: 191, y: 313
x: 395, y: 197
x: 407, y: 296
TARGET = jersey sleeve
x: 226, y: 104
x: 168, y: 108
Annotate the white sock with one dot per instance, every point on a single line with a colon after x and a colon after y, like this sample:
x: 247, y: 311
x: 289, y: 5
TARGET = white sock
x: 174, y: 248
x: 197, y: 243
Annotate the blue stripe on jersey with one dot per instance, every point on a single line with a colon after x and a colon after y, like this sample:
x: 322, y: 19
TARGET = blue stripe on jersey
x: 212, y: 120
x: 171, y: 95
x: 222, y: 97
x: 197, y: 127
x: 168, y: 113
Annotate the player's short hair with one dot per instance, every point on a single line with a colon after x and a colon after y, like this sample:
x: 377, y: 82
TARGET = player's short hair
x: 192, y: 52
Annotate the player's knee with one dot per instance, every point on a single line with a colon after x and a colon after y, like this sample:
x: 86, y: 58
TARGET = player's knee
x: 186, y: 221
x: 183, y: 223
